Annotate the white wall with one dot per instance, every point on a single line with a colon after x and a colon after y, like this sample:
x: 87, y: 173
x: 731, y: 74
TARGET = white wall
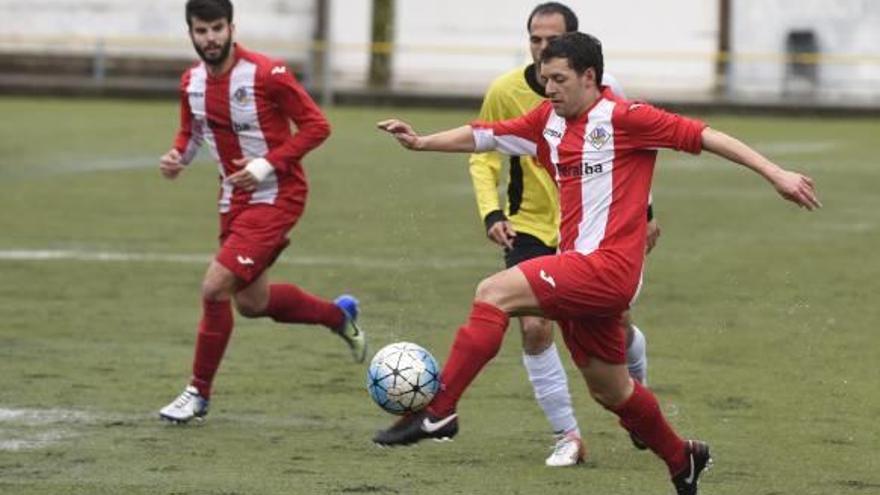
x: 154, y: 26
x: 653, y: 47
x: 846, y: 29
x: 350, y: 36
x: 461, y: 45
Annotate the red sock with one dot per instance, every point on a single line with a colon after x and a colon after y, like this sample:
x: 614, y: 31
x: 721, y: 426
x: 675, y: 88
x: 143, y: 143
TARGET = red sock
x: 290, y: 304
x: 641, y: 415
x: 215, y: 328
x: 476, y: 343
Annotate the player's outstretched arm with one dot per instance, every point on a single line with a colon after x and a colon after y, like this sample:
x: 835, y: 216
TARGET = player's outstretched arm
x: 460, y: 139
x: 795, y: 187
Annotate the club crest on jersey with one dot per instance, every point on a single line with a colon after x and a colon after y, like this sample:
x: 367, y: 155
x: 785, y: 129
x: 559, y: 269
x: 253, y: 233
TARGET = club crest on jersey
x: 240, y: 95
x: 598, y: 137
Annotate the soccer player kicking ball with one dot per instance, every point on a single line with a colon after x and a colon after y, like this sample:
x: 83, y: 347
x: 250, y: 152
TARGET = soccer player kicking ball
x: 601, y: 150
x: 242, y: 103
x: 529, y: 228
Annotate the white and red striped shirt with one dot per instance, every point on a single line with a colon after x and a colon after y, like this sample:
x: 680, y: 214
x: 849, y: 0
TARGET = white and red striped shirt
x: 603, y: 162
x: 246, y: 112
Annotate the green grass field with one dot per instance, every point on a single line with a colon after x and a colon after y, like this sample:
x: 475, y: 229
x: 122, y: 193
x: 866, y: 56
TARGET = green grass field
x: 760, y: 318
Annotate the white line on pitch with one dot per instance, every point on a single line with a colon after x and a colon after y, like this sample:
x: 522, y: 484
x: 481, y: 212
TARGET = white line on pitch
x: 357, y: 262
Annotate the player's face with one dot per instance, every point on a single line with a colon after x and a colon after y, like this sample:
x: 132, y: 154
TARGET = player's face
x: 543, y: 30
x: 566, y: 89
x: 211, y: 39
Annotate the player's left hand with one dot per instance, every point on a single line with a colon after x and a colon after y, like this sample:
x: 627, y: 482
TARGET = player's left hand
x: 797, y: 188
x: 242, y: 179
x: 653, y: 235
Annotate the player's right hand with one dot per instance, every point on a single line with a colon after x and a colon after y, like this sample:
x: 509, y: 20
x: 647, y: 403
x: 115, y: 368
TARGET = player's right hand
x: 401, y: 131
x: 502, y: 233
x: 169, y: 164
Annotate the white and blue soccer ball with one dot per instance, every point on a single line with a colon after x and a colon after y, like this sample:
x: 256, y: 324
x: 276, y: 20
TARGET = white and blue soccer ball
x: 403, y: 377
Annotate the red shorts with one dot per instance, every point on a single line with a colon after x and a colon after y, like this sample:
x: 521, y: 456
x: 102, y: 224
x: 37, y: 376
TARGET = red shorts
x: 252, y: 239
x: 576, y: 290
x: 601, y: 338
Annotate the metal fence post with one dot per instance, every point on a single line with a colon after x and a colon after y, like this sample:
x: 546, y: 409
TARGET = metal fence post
x: 99, y: 62
x: 327, y: 59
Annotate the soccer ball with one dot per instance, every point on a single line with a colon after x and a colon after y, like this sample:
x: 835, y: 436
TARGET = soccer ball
x: 403, y: 378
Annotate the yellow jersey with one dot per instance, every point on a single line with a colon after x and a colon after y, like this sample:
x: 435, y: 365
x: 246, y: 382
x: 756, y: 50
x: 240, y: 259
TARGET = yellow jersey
x: 532, y: 205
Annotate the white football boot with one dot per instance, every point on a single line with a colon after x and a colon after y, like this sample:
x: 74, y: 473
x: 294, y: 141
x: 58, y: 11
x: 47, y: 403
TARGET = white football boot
x: 568, y: 451
x: 187, y: 406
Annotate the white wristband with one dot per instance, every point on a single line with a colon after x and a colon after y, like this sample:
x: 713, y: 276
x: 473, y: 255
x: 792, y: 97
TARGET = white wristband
x: 260, y: 168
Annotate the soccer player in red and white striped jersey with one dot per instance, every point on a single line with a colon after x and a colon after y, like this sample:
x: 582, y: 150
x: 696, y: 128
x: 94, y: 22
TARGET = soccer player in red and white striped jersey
x: 241, y: 103
x: 601, y: 150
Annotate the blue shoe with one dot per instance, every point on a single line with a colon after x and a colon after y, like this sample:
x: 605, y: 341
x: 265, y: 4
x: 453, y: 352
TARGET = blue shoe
x: 350, y: 331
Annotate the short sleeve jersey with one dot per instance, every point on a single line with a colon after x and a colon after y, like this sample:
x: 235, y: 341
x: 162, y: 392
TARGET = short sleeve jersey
x: 603, y: 163
x: 532, y: 204
x: 246, y: 113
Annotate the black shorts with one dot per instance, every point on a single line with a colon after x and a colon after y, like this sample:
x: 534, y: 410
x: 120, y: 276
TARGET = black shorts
x: 526, y: 247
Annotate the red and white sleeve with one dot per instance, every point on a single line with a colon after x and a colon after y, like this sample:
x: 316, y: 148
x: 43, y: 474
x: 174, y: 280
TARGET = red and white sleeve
x: 514, y: 137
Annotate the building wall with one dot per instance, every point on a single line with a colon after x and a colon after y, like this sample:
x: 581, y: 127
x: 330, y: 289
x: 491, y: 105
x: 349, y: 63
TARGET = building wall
x: 460, y: 45
x: 847, y: 32
x: 151, y: 27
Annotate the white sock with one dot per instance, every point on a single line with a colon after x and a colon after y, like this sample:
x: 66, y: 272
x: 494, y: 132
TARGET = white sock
x: 637, y: 357
x: 551, y: 389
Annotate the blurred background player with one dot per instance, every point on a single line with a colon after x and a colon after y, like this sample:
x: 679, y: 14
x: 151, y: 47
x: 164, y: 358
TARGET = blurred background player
x: 529, y: 228
x: 602, y: 151
x: 242, y: 103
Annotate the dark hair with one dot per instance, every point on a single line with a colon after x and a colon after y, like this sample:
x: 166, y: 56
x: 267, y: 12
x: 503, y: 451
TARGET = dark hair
x: 571, y: 20
x: 208, y: 10
x: 582, y: 51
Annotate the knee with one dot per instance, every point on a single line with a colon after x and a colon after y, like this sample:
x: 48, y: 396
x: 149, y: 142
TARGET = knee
x: 250, y: 306
x: 214, y: 291
x: 490, y: 291
x: 610, y: 397
x: 537, y: 335
x: 218, y: 284
x: 248, y: 309
x: 602, y: 397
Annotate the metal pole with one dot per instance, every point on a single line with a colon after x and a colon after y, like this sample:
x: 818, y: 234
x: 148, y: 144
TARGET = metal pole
x: 99, y: 63
x: 723, y: 58
x: 327, y: 55
x: 382, y: 37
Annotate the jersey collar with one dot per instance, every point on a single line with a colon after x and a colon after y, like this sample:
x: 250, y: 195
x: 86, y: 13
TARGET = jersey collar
x: 531, y: 75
